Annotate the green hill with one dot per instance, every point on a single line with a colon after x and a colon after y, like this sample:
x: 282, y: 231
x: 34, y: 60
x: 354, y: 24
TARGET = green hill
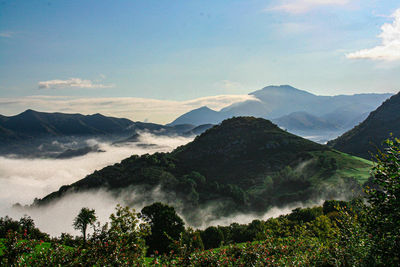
x: 242, y: 165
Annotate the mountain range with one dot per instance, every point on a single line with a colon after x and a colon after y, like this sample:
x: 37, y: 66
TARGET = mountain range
x: 33, y: 133
x: 296, y: 110
x: 365, y: 139
x: 244, y: 164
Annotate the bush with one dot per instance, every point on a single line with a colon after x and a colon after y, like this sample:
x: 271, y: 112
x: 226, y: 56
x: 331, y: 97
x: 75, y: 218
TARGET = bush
x: 384, y: 215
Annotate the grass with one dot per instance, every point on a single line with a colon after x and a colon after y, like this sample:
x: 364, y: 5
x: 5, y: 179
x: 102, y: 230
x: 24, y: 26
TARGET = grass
x: 348, y: 165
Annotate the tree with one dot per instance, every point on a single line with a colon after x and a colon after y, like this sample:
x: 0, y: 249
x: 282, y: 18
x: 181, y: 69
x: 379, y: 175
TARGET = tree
x: 212, y: 237
x: 85, y: 217
x: 384, y: 215
x: 165, y: 225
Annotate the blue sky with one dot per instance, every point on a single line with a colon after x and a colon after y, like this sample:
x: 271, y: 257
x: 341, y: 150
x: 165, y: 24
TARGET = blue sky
x: 184, y: 50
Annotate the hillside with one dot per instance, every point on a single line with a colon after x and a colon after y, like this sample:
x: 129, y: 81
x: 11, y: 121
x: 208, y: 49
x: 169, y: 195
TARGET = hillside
x: 363, y: 139
x: 243, y: 164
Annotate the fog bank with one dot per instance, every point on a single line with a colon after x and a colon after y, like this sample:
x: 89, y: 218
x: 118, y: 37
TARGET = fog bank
x: 22, y: 180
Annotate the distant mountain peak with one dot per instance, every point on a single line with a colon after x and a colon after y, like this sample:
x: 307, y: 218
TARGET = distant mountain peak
x: 197, y: 117
x: 28, y: 111
x: 279, y: 89
x: 204, y: 108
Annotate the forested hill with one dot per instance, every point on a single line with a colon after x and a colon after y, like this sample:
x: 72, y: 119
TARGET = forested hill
x: 243, y: 164
x: 363, y: 139
x: 53, y: 133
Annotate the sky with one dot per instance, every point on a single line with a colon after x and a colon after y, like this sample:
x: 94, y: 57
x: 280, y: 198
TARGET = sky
x: 155, y: 60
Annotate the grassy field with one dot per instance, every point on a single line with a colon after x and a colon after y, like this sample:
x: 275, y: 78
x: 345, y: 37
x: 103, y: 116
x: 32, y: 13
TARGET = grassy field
x: 349, y: 166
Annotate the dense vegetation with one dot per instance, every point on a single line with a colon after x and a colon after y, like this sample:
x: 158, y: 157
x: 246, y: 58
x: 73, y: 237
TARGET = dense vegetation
x: 364, y: 139
x: 354, y: 233
x: 244, y: 164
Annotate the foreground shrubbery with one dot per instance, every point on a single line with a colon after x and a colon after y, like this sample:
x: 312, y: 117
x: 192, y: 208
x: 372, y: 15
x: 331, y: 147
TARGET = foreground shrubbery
x: 339, y: 233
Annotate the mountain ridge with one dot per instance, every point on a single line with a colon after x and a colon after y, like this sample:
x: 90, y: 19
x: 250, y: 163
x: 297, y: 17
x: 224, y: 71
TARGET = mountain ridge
x: 273, y: 102
x: 24, y: 133
x: 365, y: 138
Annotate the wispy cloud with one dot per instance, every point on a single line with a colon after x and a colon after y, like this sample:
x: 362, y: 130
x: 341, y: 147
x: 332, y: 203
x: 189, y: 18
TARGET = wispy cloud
x: 389, y: 50
x: 137, y: 109
x: 6, y: 34
x: 71, y: 83
x: 303, y: 6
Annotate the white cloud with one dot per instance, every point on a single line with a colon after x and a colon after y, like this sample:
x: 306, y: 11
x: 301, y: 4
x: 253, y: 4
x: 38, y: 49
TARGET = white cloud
x: 303, y: 6
x: 389, y: 50
x: 137, y: 109
x: 71, y: 83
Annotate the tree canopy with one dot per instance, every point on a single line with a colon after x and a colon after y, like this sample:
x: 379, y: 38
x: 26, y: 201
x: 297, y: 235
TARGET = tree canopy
x: 165, y: 224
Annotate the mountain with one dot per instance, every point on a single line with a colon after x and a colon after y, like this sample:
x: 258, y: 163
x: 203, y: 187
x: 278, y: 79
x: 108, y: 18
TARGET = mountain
x: 30, y: 124
x: 303, y: 121
x: 273, y: 102
x: 203, y: 115
x: 363, y: 139
x: 244, y: 164
x: 33, y: 133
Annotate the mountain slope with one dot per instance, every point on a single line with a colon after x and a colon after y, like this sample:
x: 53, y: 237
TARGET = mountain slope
x: 302, y: 121
x: 243, y: 164
x: 363, y: 139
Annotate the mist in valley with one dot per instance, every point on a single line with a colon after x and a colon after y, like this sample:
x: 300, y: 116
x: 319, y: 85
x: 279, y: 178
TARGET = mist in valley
x: 22, y: 180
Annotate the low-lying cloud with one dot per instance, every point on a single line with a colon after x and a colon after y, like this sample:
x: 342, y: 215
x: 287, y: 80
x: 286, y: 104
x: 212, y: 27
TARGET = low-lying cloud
x: 389, y: 49
x: 71, y: 83
x: 22, y: 180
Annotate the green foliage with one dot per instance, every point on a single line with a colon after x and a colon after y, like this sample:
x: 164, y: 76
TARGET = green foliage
x: 24, y: 227
x: 384, y: 215
x: 85, y: 217
x: 212, y: 237
x: 123, y: 244
x: 166, y: 226
x: 305, y: 215
x: 13, y: 248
